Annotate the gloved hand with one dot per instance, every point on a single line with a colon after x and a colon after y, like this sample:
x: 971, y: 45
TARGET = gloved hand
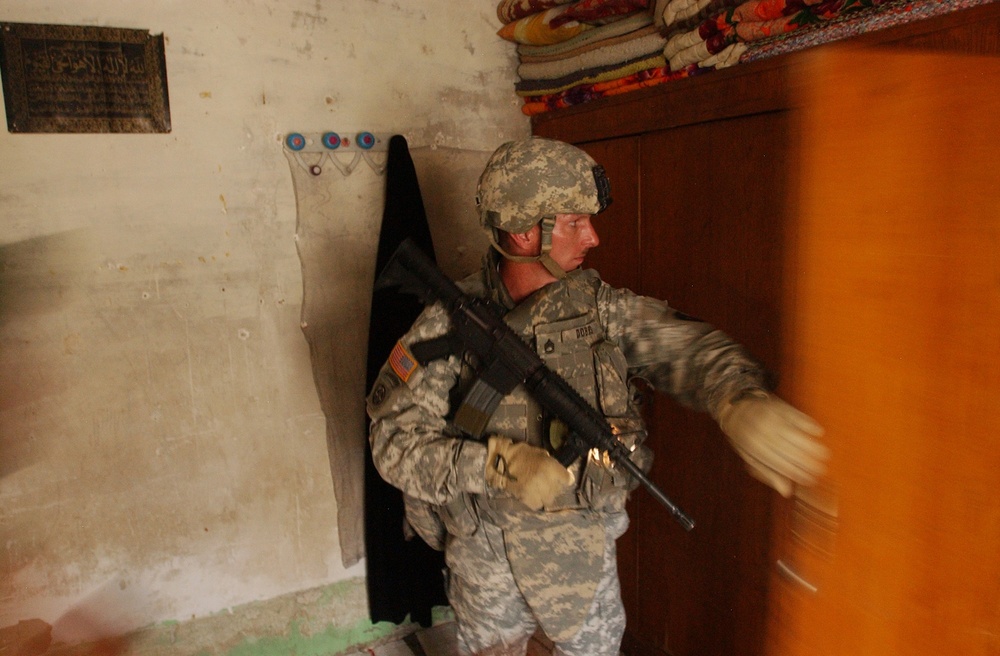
x: 527, y: 472
x: 775, y: 440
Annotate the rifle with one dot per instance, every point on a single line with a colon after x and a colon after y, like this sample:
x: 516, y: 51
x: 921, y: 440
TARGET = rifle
x: 478, y: 327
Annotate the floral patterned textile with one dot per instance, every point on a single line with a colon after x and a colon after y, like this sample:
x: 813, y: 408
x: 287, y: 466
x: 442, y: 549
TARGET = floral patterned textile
x: 681, y: 15
x: 895, y: 13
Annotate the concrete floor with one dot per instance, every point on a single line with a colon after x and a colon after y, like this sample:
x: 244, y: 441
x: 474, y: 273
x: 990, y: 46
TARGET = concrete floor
x: 438, y: 641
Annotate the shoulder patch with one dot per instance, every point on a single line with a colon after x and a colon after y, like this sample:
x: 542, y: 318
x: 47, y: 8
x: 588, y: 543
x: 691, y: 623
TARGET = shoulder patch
x: 402, y: 362
x: 385, y: 385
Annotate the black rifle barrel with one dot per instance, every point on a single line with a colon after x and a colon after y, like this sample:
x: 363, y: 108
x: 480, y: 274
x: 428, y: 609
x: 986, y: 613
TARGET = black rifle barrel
x: 496, y: 340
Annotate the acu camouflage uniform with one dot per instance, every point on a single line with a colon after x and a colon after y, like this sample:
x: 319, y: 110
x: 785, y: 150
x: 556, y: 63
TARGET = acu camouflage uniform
x: 511, y: 567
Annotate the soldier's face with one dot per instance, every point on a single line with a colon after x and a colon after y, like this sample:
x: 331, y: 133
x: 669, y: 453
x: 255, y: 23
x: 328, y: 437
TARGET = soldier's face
x: 572, y: 237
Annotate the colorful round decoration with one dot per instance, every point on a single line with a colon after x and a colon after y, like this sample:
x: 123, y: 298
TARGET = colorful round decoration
x: 331, y: 140
x: 366, y: 140
x: 295, y: 141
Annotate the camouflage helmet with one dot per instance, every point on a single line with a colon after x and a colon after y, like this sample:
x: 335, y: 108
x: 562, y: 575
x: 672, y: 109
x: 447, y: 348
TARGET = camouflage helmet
x: 528, y: 180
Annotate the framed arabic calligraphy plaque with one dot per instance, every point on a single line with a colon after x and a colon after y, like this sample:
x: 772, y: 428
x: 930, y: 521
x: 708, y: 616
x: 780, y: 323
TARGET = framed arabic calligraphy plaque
x: 68, y: 78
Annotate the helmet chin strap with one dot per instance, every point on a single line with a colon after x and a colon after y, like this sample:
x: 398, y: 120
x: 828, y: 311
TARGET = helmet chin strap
x: 543, y: 258
x: 552, y: 266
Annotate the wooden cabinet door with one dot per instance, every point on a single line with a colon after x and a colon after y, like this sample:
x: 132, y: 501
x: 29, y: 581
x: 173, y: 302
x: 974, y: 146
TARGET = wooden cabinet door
x: 713, y: 214
x: 895, y: 348
x: 617, y: 259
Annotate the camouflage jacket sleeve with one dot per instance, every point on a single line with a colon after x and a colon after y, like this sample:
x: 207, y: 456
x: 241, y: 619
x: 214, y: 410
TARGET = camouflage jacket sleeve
x: 412, y: 447
x: 698, y: 365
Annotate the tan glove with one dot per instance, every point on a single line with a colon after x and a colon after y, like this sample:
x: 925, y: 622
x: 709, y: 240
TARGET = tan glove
x: 775, y: 440
x: 526, y: 472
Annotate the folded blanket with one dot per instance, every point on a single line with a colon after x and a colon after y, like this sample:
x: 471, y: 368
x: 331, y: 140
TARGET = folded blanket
x: 807, y: 11
x: 599, y: 12
x: 679, y: 15
x: 565, y: 21
x: 644, y: 45
x: 599, y: 36
x: 583, y: 93
x: 587, y: 76
x: 851, y: 21
x: 621, y: 41
x: 509, y: 11
x: 852, y: 24
x: 751, y: 21
x: 690, y: 47
x: 537, y: 30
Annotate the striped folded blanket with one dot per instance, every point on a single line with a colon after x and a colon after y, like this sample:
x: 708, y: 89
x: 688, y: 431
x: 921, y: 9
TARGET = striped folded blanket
x: 615, y: 32
x: 566, y: 20
x: 588, y: 76
x: 646, y: 43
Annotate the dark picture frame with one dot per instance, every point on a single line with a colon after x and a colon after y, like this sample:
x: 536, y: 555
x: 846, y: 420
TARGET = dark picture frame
x: 69, y: 78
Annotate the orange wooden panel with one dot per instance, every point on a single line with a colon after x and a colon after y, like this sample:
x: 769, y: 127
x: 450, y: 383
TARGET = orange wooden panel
x: 894, y: 345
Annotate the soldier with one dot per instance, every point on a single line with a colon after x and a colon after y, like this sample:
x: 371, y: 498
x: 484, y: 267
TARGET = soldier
x: 527, y: 541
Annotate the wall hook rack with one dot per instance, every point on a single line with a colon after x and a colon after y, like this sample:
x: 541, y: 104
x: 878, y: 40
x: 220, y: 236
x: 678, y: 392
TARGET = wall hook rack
x: 312, y: 150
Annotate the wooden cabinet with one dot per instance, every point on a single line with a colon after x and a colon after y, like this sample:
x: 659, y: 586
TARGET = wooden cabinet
x: 895, y: 342
x: 708, y: 240
x: 711, y: 178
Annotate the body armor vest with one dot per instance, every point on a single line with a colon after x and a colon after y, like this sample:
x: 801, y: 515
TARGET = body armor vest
x: 561, y: 323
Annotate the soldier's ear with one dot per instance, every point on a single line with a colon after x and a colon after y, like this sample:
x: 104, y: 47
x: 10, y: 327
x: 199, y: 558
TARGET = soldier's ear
x: 526, y: 243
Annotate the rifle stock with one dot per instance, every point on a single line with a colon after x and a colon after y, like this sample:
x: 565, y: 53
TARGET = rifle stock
x: 509, y: 361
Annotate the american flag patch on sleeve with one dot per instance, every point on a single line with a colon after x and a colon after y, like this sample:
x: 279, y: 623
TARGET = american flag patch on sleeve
x: 402, y: 362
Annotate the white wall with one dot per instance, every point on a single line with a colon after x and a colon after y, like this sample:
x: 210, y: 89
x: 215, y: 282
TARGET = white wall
x: 161, y: 441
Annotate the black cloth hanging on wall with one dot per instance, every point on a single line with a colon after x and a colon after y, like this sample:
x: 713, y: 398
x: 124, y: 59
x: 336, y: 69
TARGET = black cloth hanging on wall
x: 404, y: 576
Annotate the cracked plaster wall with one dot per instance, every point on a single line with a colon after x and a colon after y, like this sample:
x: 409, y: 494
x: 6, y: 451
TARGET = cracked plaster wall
x: 162, y: 442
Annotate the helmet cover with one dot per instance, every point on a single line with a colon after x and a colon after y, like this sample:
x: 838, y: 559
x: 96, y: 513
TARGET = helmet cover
x: 528, y: 180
